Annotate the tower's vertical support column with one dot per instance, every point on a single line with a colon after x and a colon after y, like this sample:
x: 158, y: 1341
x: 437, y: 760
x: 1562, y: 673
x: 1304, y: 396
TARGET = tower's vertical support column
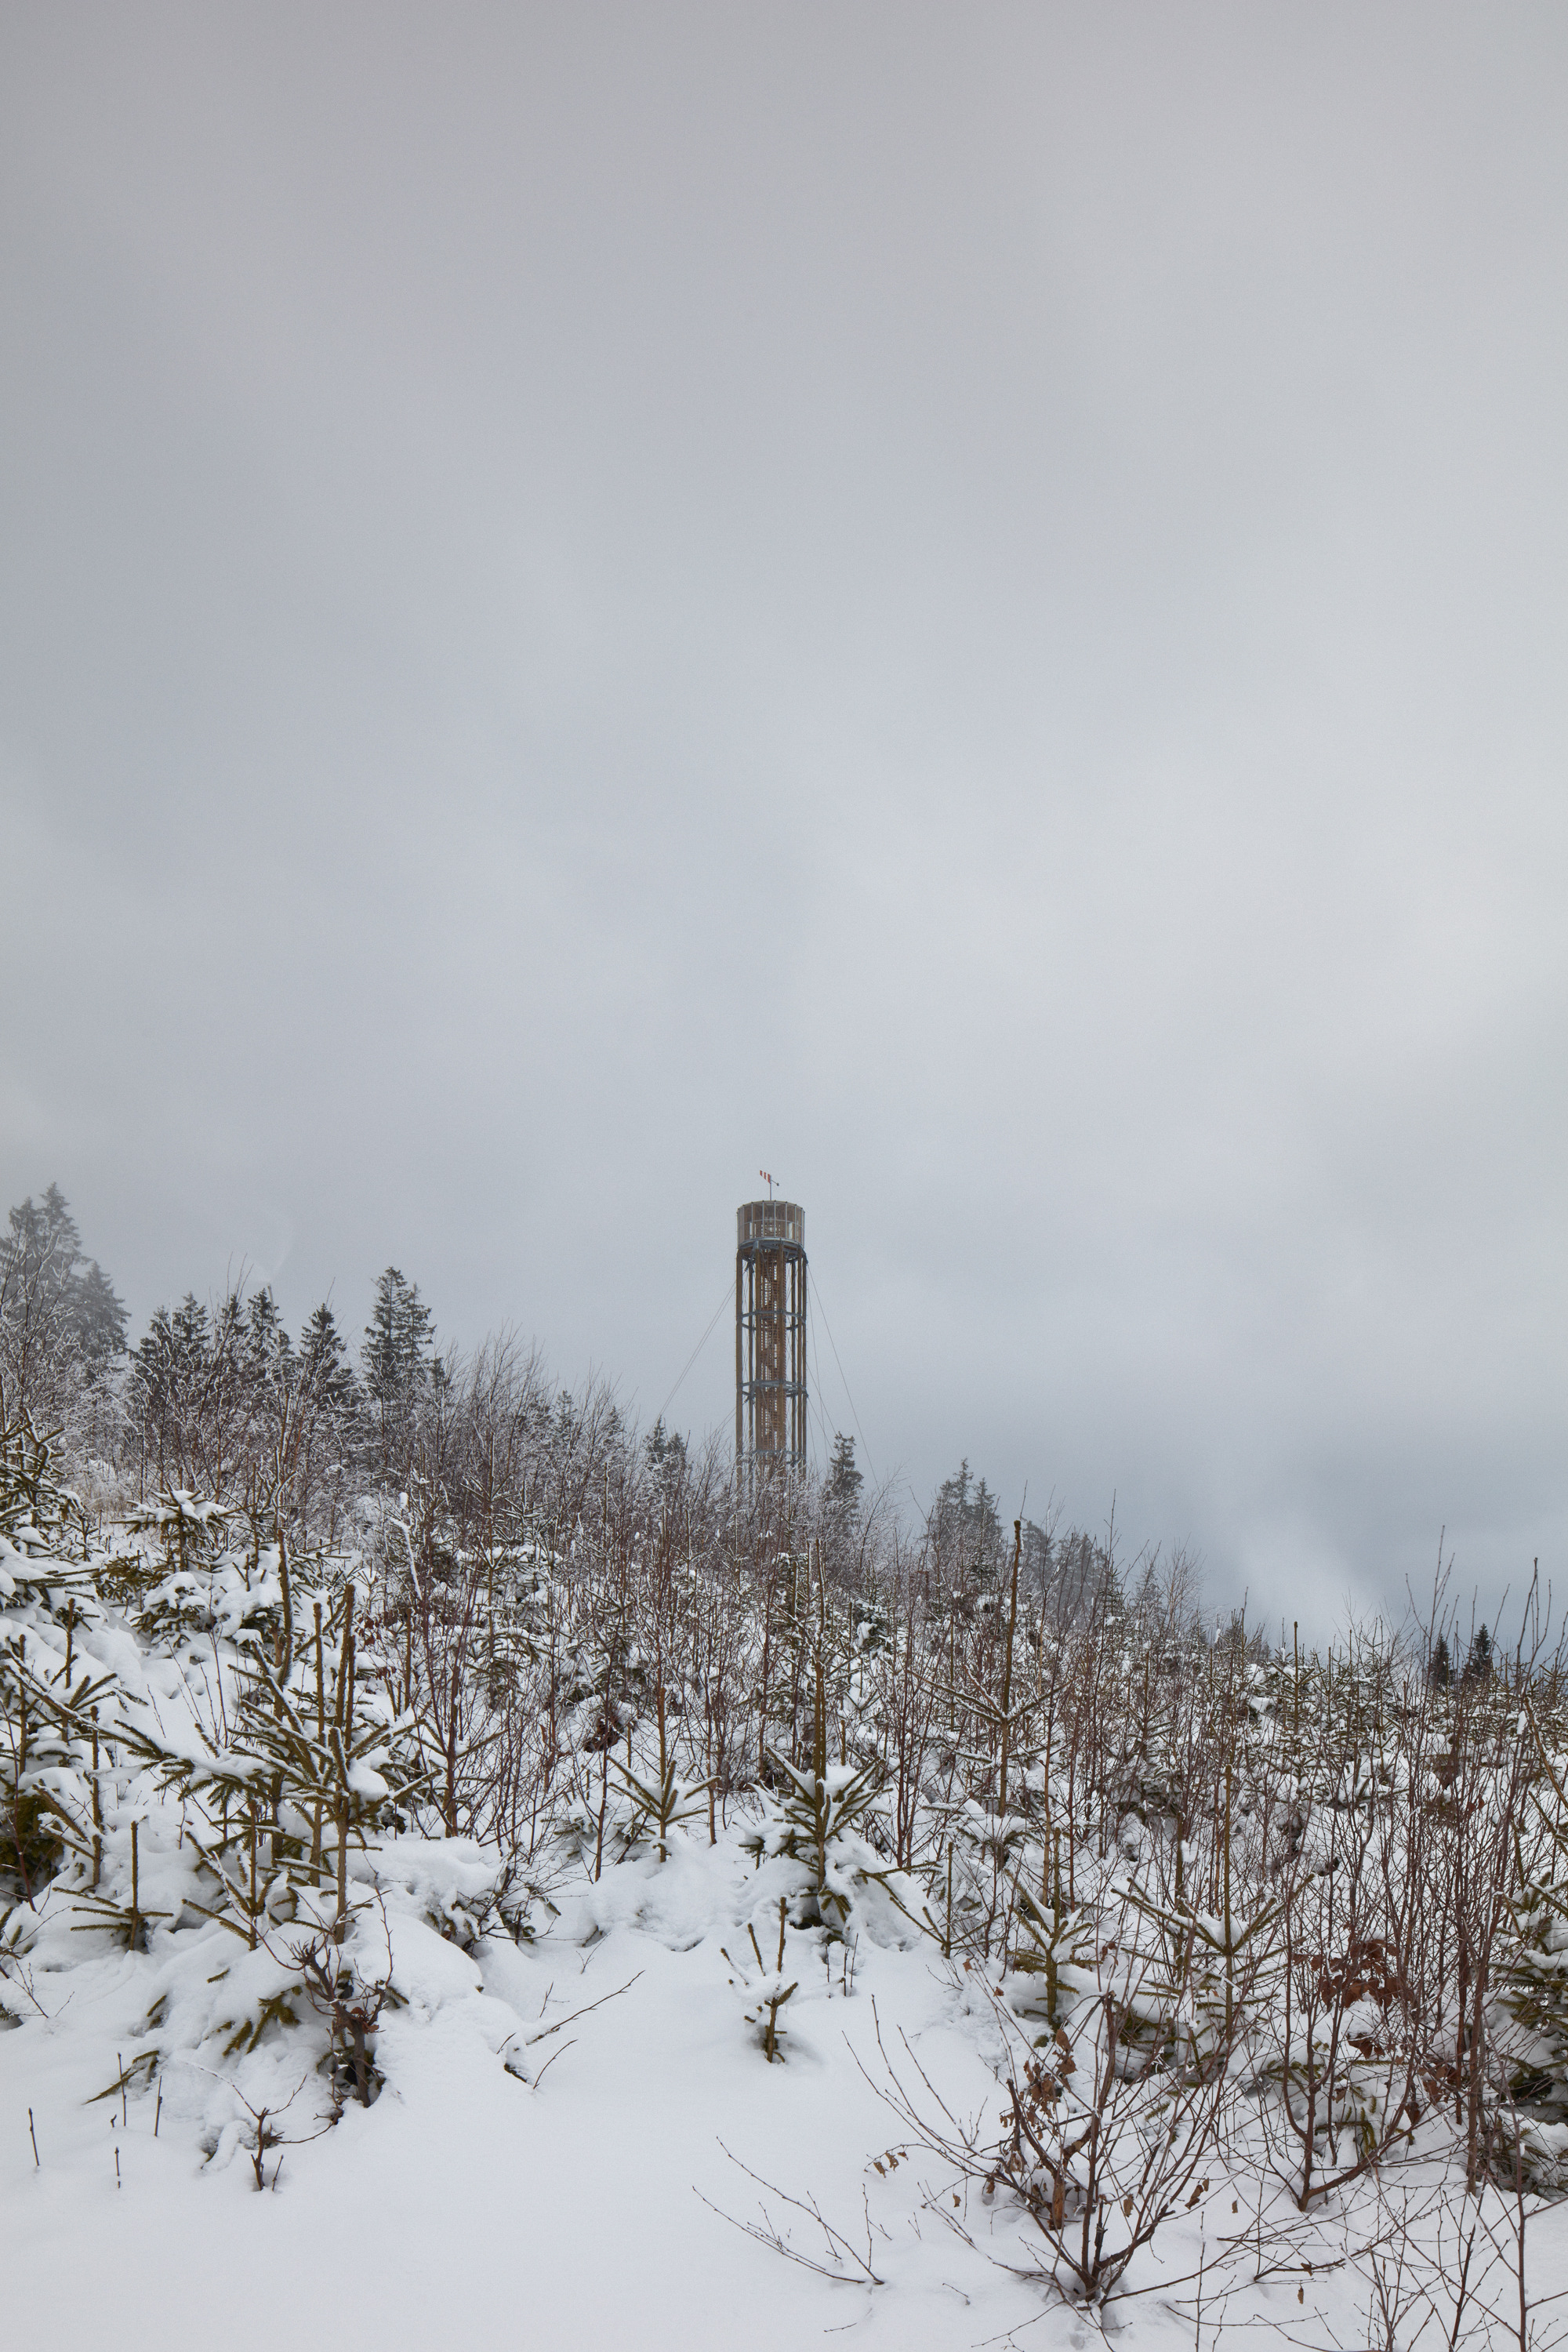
x: 770, y: 1339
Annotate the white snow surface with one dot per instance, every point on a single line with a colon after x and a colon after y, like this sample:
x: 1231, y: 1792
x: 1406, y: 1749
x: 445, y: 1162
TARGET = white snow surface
x: 552, y: 2117
x: 470, y: 2200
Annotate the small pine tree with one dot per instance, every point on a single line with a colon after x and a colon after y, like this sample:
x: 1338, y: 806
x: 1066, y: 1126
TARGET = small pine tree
x: 1056, y: 1943
x: 815, y: 1820
x: 1532, y: 1976
x: 1440, y: 1670
x: 46, y: 1601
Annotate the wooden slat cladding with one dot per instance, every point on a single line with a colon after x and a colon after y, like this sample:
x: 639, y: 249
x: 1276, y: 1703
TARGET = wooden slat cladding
x: 770, y: 1337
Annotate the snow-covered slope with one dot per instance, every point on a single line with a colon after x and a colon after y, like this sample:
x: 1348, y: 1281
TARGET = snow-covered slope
x: 468, y: 2199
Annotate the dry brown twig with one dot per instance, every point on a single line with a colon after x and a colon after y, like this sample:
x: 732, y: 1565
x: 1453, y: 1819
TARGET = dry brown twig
x: 844, y: 2264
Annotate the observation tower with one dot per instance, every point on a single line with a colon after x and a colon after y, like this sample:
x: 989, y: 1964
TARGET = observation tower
x: 770, y: 1338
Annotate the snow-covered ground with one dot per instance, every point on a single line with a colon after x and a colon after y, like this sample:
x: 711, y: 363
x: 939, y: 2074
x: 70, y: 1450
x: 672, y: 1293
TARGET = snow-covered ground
x: 467, y: 2200
x: 516, y: 2184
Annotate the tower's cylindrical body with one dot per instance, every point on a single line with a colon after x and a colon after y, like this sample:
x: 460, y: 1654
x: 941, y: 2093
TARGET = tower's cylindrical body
x: 770, y: 1337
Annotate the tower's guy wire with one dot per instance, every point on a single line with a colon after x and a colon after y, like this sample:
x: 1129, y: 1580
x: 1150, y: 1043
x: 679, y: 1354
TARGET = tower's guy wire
x: 814, y: 1387
x: 725, y: 1296
x: 816, y: 1287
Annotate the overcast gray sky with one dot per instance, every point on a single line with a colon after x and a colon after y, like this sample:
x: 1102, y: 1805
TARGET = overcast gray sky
x: 964, y: 604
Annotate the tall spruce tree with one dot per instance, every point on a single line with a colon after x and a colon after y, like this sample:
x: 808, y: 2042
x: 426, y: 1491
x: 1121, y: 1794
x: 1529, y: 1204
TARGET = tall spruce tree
x: 967, y: 1525
x: 326, y: 1373
x: 399, y: 1350
x: 1479, y: 1666
x: 400, y: 1367
x: 842, y: 1493
x: 61, y: 1325
x: 665, y: 1450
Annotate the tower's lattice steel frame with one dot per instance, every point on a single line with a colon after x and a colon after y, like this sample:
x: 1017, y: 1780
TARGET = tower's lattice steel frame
x: 770, y: 1338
